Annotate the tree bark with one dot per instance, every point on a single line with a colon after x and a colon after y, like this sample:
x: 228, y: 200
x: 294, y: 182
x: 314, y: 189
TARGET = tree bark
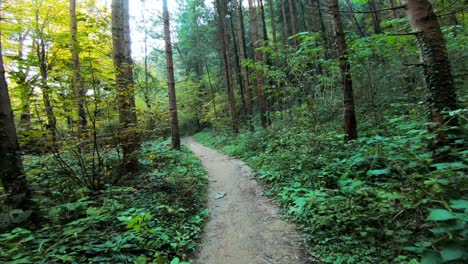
x: 350, y: 123
x: 441, y: 91
x: 221, y: 6
x: 258, y: 59
x: 125, y: 85
x: 11, y: 168
x: 77, y: 84
x: 170, y: 79
x: 243, y: 58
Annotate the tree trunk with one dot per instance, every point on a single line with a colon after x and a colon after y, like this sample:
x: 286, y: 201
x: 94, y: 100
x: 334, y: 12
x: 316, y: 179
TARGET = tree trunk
x: 125, y: 86
x: 313, y: 18
x: 441, y: 92
x: 238, y: 70
x: 350, y: 123
x: 170, y: 79
x: 258, y: 59
x: 221, y: 6
x: 285, y: 22
x: 77, y: 83
x: 375, y: 17
x: 11, y: 168
x: 43, y: 68
x: 272, y: 21
x: 243, y: 57
x: 293, y: 16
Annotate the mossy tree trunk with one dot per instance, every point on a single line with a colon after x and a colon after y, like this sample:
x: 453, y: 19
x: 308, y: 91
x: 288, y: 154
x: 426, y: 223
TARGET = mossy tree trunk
x: 441, y: 92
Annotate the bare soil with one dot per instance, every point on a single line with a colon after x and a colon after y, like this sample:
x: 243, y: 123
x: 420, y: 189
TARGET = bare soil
x: 245, y: 227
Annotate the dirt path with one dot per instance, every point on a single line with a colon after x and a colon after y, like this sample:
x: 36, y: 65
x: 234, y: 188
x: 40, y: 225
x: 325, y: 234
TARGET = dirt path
x: 244, y: 226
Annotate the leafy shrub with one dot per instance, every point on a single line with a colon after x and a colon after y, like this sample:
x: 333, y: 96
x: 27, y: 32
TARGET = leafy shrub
x: 153, y: 217
x: 379, y: 199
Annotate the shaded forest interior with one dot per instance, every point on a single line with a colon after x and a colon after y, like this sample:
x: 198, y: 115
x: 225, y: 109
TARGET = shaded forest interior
x: 352, y: 112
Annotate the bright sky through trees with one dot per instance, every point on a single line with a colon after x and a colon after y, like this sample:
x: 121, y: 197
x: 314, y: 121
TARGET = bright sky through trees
x: 141, y: 10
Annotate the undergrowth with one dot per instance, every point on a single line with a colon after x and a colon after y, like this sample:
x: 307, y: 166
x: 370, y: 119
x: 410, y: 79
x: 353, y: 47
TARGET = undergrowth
x: 379, y: 199
x: 155, y: 216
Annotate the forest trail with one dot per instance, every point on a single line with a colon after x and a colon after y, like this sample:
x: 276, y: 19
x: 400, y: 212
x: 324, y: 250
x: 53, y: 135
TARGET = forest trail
x: 244, y: 226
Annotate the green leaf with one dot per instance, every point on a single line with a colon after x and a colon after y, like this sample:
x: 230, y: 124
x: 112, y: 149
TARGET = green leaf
x: 452, y: 252
x: 175, y: 261
x: 431, y: 257
x: 459, y: 204
x: 449, y: 166
x: 381, y: 172
x: 440, y: 215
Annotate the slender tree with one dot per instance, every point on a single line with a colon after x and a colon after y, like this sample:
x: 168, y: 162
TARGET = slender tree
x: 221, y: 7
x: 272, y: 20
x: 44, y: 68
x: 170, y: 79
x: 124, y: 80
x: 285, y: 22
x: 258, y: 58
x: 292, y: 17
x: 243, y: 58
x: 11, y: 168
x: 77, y: 84
x: 350, y: 123
x: 375, y: 16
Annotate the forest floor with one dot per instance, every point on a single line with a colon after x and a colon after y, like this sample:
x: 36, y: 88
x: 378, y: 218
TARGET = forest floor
x: 244, y: 225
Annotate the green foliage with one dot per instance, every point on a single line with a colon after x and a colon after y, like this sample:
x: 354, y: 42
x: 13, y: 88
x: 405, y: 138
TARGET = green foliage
x: 153, y: 217
x: 379, y: 199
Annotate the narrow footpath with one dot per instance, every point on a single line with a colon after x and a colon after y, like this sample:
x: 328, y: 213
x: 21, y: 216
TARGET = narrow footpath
x: 244, y: 227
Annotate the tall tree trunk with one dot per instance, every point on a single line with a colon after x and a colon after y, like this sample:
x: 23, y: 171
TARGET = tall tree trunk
x: 285, y: 22
x: 313, y: 17
x: 272, y: 21
x: 11, y: 168
x: 375, y: 16
x: 243, y: 57
x: 441, y: 92
x: 258, y: 59
x: 170, y: 79
x: 238, y: 70
x: 350, y: 123
x: 221, y: 6
x: 125, y: 86
x: 293, y: 16
x: 77, y: 83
